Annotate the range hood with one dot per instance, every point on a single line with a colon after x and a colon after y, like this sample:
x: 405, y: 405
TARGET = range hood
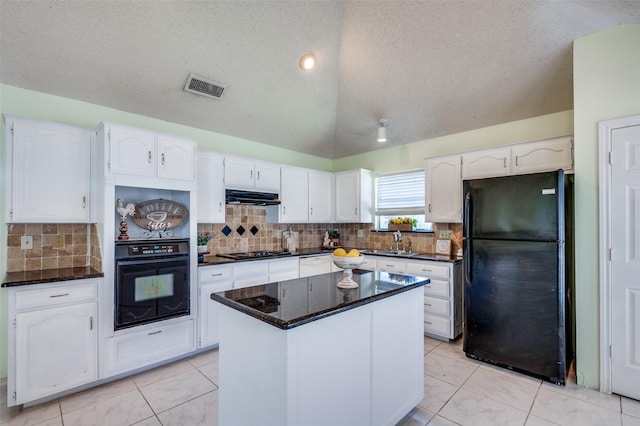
x: 254, y: 198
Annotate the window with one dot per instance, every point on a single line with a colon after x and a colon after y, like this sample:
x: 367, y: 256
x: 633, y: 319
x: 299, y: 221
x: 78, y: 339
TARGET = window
x: 401, y: 194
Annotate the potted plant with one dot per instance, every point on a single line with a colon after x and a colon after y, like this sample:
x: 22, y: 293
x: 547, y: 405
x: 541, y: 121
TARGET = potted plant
x: 402, y: 224
x: 334, y: 236
x: 203, y: 239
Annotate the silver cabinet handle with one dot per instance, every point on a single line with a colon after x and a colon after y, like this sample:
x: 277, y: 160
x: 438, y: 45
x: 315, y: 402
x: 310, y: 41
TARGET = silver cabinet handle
x: 355, y: 211
x: 216, y: 275
x: 162, y: 158
x: 429, y: 207
x: 258, y: 175
x: 311, y: 211
x: 90, y: 323
x: 251, y: 174
x: 59, y: 295
x: 84, y: 202
x: 155, y: 332
x: 284, y: 209
x: 220, y: 206
x: 504, y: 162
x: 516, y: 160
x: 149, y: 157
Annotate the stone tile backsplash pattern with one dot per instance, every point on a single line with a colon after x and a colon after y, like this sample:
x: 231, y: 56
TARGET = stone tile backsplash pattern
x: 269, y: 235
x: 81, y: 247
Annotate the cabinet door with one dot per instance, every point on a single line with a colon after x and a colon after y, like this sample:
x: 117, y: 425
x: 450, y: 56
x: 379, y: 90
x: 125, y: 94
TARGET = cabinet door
x: 267, y: 176
x: 443, y: 189
x: 347, y: 194
x: 131, y: 151
x: 56, y: 349
x: 543, y: 156
x: 486, y: 163
x: 320, y: 196
x: 50, y: 173
x: 294, y: 296
x: 176, y: 158
x: 208, y: 314
x: 238, y: 173
x: 294, y: 195
x: 211, y: 207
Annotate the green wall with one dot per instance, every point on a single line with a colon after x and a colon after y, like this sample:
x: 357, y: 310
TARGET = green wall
x: 606, y: 86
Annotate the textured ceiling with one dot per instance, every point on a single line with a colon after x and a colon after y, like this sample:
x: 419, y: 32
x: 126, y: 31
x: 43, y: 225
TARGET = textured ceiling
x: 430, y: 68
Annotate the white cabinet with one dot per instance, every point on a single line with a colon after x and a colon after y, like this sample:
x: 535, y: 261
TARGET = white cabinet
x: 443, y: 189
x: 442, y: 297
x: 543, y: 156
x: 53, y: 343
x: 211, y: 279
x: 211, y: 197
x: 246, y: 173
x: 283, y: 269
x: 315, y: 265
x: 390, y: 264
x: 294, y: 195
x: 142, y: 153
x: 354, y: 196
x: 486, y: 163
x: 320, y: 196
x: 48, y: 172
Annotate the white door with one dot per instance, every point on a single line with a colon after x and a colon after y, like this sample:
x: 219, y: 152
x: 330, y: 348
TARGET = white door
x: 132, y: 151
x: 625, y: 261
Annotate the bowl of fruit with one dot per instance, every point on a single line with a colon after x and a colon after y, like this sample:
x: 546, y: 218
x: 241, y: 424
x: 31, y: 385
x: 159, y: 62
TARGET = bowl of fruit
x: 347, y: 261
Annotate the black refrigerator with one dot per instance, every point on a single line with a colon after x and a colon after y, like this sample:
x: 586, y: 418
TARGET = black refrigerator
x: 515, y: 260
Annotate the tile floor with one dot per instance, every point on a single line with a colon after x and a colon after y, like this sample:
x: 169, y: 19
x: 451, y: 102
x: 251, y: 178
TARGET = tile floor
x: 458, y: 391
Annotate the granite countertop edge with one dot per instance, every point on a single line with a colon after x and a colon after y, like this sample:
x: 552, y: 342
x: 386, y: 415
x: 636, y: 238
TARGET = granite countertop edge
x: 305, y: 319
x: 44, y: 276
x: 315, y: 251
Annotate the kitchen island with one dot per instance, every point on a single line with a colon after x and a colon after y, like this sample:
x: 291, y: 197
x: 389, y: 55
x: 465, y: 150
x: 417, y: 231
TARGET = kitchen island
x: 304, y: 352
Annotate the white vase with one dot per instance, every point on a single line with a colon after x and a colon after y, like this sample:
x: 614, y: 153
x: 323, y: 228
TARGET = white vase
x: 202, y: 249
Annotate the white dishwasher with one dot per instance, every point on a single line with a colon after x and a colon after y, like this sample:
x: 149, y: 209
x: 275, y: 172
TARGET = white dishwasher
x: 315, y: 265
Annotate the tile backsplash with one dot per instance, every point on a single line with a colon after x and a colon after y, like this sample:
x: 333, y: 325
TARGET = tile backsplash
x: 243, y: 219
x: 81, y: 246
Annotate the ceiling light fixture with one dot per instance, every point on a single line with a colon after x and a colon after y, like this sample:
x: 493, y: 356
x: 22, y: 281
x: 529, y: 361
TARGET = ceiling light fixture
x: 307, y: 62
x: 382, y: 130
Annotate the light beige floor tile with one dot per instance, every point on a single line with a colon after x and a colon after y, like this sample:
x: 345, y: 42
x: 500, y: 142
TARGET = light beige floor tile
x: 417, y: 417
x: 514, y: 391
x: 204, y: 358
x: 210, y: 371
x: 15, y: 416
x: 124, y: 409
x: 430, y: 344
x: 441, y: 421
x: 56, y: 421
x: 199, y: 411
x: 537, y: 421
x: 176, y: 390
x: 630, y: 421
x: 611, y: 402
x: 565, y: 410
x: 436, y: 394
x: 95, y: 395
x: 630, y: 407
x: 161, y: 373
x: 468, y: 408
x: 450, y: 370
x: 151, y: 421
x: 452, y: 350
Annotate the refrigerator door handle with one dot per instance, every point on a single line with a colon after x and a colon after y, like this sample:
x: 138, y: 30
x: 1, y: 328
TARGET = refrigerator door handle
x: 467, y: 235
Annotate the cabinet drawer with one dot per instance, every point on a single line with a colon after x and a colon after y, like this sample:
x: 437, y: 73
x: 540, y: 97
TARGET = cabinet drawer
x: 436, y: 306
x: 45, y: 297
x: 437, y: 288
x: 369, y: 264
x: 437, y: 325
x: 388, y: 265
x: 247, y: 269
x: 215, y: 273
x: 428, y: 270
x: 136, y: 350
x: 284, y: 266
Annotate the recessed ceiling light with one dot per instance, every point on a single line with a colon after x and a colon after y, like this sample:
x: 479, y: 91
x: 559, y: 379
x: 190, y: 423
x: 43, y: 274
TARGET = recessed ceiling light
x: 307, y: 62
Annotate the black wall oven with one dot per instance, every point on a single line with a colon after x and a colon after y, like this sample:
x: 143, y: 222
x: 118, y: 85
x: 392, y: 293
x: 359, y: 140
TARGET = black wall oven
x: 152, y: 281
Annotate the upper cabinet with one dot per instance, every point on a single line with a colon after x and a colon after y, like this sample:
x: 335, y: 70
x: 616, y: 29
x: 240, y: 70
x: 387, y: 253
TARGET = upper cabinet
x: 486, y: 163
x: 306, y: 196
x: 542, y: 156
x: 48, y: 172
x: 211, y: 199
x: 354, y: 196
x: 246, y: 173
x: 443, y: 189
x: 136, y: 156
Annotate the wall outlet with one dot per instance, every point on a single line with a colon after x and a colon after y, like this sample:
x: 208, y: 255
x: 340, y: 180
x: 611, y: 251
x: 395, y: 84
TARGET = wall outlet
x: 26, y: 242
x: 58, y: 241
x: 360, y: 233
x: 445, y: 234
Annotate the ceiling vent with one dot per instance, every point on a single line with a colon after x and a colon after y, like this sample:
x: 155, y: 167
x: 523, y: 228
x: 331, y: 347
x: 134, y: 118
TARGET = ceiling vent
x: 204, y: 87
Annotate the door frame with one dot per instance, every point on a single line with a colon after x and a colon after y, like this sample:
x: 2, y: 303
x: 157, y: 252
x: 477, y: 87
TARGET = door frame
x: 605, y: 128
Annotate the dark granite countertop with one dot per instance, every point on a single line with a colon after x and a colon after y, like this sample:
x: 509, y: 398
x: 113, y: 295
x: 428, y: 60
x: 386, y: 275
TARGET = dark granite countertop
x: 312, y: 298
x: 13, y: 279
x: 214, y: 260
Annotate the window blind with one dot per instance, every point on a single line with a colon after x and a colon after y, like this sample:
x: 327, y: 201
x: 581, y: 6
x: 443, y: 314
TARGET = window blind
x: 400, y: 193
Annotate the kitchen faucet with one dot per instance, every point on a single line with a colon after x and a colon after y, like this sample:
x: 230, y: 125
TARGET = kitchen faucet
x: 397, y: 237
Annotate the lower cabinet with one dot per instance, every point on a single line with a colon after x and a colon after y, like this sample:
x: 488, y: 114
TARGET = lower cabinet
x: 53, y: 339
x: 211, y: 279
